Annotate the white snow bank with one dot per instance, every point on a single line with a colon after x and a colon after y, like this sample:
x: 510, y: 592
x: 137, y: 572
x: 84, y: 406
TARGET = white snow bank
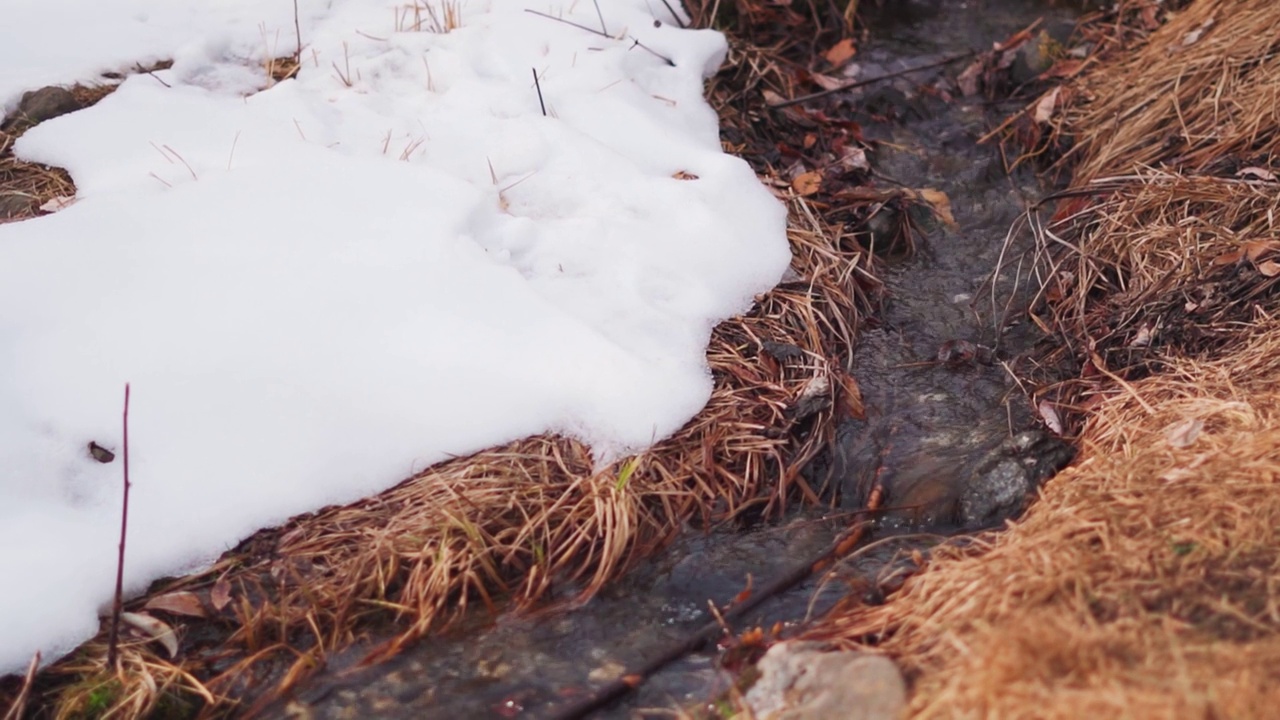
x: 323, y: 287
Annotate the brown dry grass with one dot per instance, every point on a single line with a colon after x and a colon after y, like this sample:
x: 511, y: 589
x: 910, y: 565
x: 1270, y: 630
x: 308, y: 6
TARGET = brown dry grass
x: 1143, y: 583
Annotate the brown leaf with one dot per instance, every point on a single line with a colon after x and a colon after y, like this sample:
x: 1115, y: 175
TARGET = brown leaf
x: 807, y: 183
x: 841, y: 52
x: 1255, y: 249
x: 1045, y: 106
x: 1256, y: 173
x: 178, y: 603
x: 968, y: 80
x: 1185, y: 433
x: 1269, y: 268
x: 1050, y: 417
x: 826, y: 82
x: 221, y: 594
x: 682, y: 175
x: 854, y: 158
x: 153, y: 629
x: 1228, y: 258
x: 941, y: 205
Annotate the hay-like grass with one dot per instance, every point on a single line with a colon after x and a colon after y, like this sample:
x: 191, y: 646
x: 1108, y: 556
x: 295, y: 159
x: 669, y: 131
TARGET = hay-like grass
x: 1143, y: 583
x: 506, y: 527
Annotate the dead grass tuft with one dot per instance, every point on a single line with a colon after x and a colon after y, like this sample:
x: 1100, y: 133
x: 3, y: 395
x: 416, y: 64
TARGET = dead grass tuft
x: 1141, y: 585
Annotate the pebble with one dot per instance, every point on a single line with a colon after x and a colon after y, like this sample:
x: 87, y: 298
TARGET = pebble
x: 807, y: 681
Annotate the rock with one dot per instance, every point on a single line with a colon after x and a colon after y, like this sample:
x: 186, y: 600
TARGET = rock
x: 16, y: 205
x: 1005, y: 481
x: 806, y: 681
x: 1034, y: 57
x: 46, y: 103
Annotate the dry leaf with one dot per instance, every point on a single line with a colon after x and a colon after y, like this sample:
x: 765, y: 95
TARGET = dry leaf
x: 941, y: 205
x: 1050, y: 417
x: 855, y: 158
x: 1142, y: 338
x: 682, y: 175
x: 968, y: 80
x: 826, y: 82
x: 1191, y: 37
x: 178, y: 603
x: 1255, y: 249
x: 841, y: 52
x: 221, y: 594
x: 772, y: 98
x: 1256, y: 173
x: 807, y: 183
x: 1185, y: 433
x: 154, y: 629
x: 1045, y: 106
x: 1269, y: 268
x: 58, y: 203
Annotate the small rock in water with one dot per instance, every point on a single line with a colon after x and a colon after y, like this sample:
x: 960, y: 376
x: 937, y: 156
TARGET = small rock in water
x: 46, y: 103
x: 806, y: 681
x: 16, y: 205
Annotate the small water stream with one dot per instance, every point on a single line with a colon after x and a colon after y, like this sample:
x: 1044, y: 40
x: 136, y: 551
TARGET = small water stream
x: 945, y: 438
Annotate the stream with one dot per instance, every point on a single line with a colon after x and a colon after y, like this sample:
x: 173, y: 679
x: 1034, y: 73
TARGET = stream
x: 954, y: 441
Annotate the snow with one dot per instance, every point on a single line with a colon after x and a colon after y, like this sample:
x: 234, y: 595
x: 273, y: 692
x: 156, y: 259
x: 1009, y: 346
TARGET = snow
x: 321, y: 286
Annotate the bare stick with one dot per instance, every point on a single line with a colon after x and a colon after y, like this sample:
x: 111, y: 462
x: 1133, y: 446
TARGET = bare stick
x: 19, y: 708
x: 297, y: 31
x: 600, y: 15
x: 869, y: 81
x: 593, y: 31
x: 114, y: 638
x: 678, y: 19
x: 538, y: 86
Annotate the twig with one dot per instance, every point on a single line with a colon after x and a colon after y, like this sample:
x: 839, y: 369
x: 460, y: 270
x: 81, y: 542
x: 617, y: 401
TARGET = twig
x: 113, y: 639
x: 615, y: 689
x: 869, y: 81
x: 297, y: 31
x: 593, y: 31
x: 19, y: 707
x: 600, y: 15
x: 678, y: 19
x: 538, y: 87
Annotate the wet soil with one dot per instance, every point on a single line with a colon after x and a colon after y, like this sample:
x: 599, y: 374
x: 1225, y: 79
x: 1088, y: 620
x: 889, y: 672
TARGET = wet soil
x: 948, y: 432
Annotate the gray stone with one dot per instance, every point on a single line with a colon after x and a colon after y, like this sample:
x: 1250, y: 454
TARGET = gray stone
x: 807, y: 681
x: 46, y: 103
x: 16, y: 205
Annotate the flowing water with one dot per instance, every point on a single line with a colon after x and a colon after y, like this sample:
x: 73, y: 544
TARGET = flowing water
x: 946, y: 439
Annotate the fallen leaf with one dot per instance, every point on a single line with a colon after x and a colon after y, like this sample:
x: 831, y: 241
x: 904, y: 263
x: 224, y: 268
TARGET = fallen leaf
x: 60, y: 202
x: 941, y: 205
x: 1269, y: 268
x: 1050, y: 417
x: 841, y: 52
x: 826, y: 82
x: 772, y: 98
x: 855, y: 158
x: 682, y: 175
x: 221, y: 594
x: 1191, y: 37
x: 178, y: 603
x: 1257, y: 173
x: 1045, y: 106
x: 809, y: 141
x: 1185, y: 433
x: 101, y: 454
x: 1255, y: 249
x: 807, y: 183
x: 154, y: 629
x: 1142, y: 338
x: 968, y: 80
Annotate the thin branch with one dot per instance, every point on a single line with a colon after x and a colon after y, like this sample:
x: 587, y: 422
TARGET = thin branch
x: 869, y: 81
x: 678, y: 19
x: 297, y: 31
x: 600, y: 15
x: 538, y: 86
x: 114, y: 638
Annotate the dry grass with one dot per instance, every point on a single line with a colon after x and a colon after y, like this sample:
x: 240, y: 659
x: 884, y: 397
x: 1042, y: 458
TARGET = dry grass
x: 507, y: 526
x: 514, y: 525
x: 1143, y: 583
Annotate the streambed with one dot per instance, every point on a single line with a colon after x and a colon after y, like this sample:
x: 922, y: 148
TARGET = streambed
x: 948, y: 430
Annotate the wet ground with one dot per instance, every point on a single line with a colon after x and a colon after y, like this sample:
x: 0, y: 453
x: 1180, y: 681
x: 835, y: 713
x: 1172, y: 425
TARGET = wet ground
x: 949, y: 433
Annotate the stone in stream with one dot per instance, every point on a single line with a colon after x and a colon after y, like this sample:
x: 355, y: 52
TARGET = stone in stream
x: 37, y: 106
x: 807, y: 681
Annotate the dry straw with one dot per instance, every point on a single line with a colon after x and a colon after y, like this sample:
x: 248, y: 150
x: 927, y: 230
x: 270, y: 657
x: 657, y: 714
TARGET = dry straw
x: 505, y: 527
x: 1143, y: 583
